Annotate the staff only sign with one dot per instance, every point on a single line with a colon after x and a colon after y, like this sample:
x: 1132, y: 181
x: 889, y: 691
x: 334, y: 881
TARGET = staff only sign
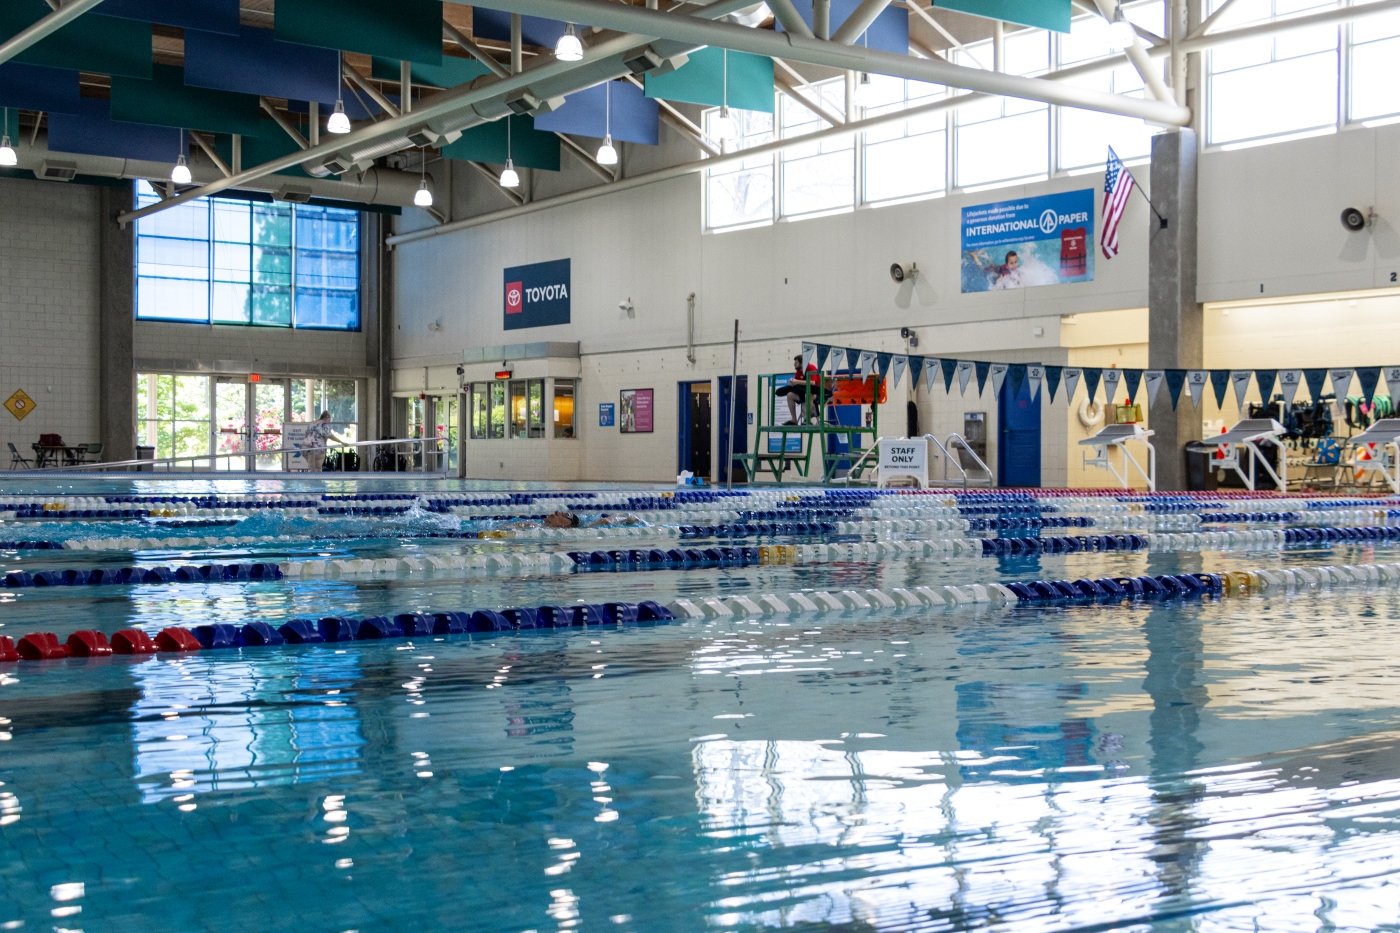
x: 900, y: 457
x: 537, y: 295
x: 1029, y: 241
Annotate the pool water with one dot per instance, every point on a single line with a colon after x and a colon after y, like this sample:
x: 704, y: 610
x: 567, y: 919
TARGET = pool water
x: 1216, y: 764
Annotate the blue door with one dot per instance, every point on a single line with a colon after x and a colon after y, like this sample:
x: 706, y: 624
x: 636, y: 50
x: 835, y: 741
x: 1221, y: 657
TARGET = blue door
x: 1018, y: 453
x: 739, y: 421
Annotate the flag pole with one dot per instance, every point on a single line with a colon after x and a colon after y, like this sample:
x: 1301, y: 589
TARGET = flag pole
x: 1162, y: 221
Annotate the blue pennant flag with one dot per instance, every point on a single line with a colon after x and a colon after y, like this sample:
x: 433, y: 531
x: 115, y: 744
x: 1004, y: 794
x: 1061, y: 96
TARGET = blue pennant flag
x: 1132, y: 378
x: 982, y: 370
x: 1367, y: 376
x: 1092, y: 375
x: 1016, y: 375
x: 916, y: 368
x: 1265, y: 378
x: 823, y: 351
x: 1220, y: 381
x: 882, y: 364
x: 1176, y: 380
x: 852, y: 360
x: 1052, y: 379
x: 950, y: 369
x: 1315, y: 379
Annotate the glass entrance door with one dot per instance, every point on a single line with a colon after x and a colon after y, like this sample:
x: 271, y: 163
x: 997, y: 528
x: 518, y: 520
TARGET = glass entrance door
x: 445, y: 412
x: 231, y: 423
x: 269, y: 412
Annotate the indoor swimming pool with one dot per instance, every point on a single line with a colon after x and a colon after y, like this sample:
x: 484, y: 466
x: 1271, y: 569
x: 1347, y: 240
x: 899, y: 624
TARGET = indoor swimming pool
x: 806, y: 709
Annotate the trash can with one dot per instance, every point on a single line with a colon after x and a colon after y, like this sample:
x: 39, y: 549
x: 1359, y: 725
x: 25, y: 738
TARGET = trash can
x: 1199, y: 475
x: 145, y: 453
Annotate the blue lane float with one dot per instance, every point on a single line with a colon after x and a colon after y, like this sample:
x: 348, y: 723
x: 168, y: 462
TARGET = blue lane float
x: 209, y: 573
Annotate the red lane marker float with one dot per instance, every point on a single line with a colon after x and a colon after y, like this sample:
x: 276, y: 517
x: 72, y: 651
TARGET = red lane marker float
x: 177, y: 639
x: 41, y: 646
x: 132, y: 641
x: 7, y: 649
x: 88, y: 644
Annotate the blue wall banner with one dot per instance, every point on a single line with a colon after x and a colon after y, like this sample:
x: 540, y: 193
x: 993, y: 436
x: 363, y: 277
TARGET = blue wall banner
x: 1028, y: 241
x: 607, y: 413
x: 537, y: 295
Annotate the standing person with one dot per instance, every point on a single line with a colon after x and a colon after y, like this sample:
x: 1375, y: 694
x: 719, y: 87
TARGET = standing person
x: 317, y: 436
x: 797, y: 388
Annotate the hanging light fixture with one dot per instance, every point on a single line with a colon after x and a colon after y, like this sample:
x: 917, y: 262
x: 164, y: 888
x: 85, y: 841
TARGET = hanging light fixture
x: 509, y: 178
x: 423, y: 197
x: 568, y: 48
x: 8, y: 159
x: 723, y: 125
x: 1120, y: 31
x: 865, y: 89
x: 607, y: 155
x: 338, y: 123
x: 180, y: 174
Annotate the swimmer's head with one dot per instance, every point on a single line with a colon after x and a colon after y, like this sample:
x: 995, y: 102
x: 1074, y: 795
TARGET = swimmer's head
x: 1012, y: 260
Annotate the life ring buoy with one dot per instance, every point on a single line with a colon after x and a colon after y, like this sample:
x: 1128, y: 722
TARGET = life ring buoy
x: 1090, y: 413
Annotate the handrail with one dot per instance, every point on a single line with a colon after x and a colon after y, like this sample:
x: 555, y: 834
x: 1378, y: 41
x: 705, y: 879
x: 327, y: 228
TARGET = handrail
x: 873, y: 448
x: 948, y: 458
x: 245, y: 454
x: 959, y: 439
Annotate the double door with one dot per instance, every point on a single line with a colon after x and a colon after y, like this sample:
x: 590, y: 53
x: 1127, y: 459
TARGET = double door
x: 248, y: 421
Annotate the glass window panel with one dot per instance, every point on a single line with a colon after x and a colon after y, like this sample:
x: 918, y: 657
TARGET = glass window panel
x: 1287, y: 96
x: 1150, y: 16
x: 1306, y: 41
x: 327, y: 268
x: 481, y: 404
x: 1375, y: 81
x: 1027, y: 52
x: 818, y: 183
x: 1005, y: 149
x: 536, y: 403
x: 172, y: 299
x: 564, y: 408
x: 1241, y: 55
x: 906, y: 167
x: 1381, y: 26
x: 742, y: 194
x: 519, y: 420
x: 498, y: 410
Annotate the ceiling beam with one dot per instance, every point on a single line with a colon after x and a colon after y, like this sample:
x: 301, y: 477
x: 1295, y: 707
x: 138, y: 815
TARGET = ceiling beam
x: 209, y: 150
x: 474, y: 50
x: 514, y: 196
x: 385, y: 104
x: 859, y: 21
x: 44, y: 28
x: 580, y: 153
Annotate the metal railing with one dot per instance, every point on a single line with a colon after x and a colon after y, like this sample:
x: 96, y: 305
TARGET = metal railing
x: 149, y: 466
x: 956, y: 441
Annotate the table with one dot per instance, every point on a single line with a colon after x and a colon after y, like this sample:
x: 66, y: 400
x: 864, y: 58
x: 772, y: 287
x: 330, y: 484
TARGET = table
x: 53, y: 455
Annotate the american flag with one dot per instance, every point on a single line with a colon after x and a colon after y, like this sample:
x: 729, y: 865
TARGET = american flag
x: 1117, y: 188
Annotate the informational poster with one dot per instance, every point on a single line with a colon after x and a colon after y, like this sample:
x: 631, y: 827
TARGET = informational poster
x: 1029, y: 241
x: 634, y: 411
x: 537, y: 295
x: 606, y: 414
x: 294, y: 437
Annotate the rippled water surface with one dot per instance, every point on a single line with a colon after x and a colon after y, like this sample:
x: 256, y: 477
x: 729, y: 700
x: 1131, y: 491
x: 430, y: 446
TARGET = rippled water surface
x: 1203, y: 766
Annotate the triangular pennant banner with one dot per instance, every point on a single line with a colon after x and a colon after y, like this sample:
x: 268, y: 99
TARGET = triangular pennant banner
x: 1052, y: 379
x: 1288, y: 382
x: 950, y: 367
x: 1092, y: 375
x: 882, y: 364
x: 852, y: 359
x: 931, y: 370
x: 1341, y: 384
x: 1392, y: 381
x: 983, y: 369
x: 964, y: 371
x: 823, y: 351
x: 1034, y: 376
x: 1016, y: 376
x: 1220, y: 381
x: 1132, y: 378
x: 899, y: 363
x: 1264, y: 378
x: 867, y: 362
x: 998, y: 373
x: 1196, y: 380
x: 1175, y: 379
x: 809, y: 350
x: 1154, y: 379
x: 1315, y: 378
x: 1368, y: 376
x: 1071, y: 376
x: 916, y: 369
x: 1239, y: 378
x: 1111, y: 378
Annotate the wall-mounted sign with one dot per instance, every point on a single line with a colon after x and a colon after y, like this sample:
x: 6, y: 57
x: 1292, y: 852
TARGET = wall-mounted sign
x: 635, y: 407
x: 902, y: 458
x: 20, y: 404
x: 537, y: 295
x: 1028, y: 241
x: 605, y: 414
x: 503, y: 373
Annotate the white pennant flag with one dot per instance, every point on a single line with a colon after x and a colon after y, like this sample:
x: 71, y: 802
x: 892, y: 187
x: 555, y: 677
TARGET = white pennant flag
x: 1154, y: 379
x: 998, y: 372
x: 1289, y: 380
x: 899, y: 362
x: 1035, y: 375
x: 1341, y: 384
x: 964, y: 371
x: 1196, y: 380
x: 1391, y: 374
x: 932, y: 369
x: 1239, y: 378
x: 867, y: 363
x: 809, y: 350
x: 1111, y: 378
x: 1070, y: 379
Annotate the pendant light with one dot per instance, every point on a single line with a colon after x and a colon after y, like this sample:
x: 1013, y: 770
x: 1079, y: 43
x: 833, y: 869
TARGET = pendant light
x: 607, y: 155
x: 8, y: 159
x: 865, y: 90
x: 338, y: 123
x: 180, y: 174
x: 723, y: 124
x: 423, y: 197
x: 568, y: 48
x: 1120, y: 31
x: 509, y: 179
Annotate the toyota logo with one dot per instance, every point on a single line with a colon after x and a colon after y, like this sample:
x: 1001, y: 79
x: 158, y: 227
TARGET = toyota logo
x: 513, y: 296
x: 1048, y: 221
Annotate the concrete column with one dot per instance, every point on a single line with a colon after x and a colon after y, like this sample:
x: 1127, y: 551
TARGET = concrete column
x: 1175, y: 337
x: 116, y: 403
x: 377, y: 291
